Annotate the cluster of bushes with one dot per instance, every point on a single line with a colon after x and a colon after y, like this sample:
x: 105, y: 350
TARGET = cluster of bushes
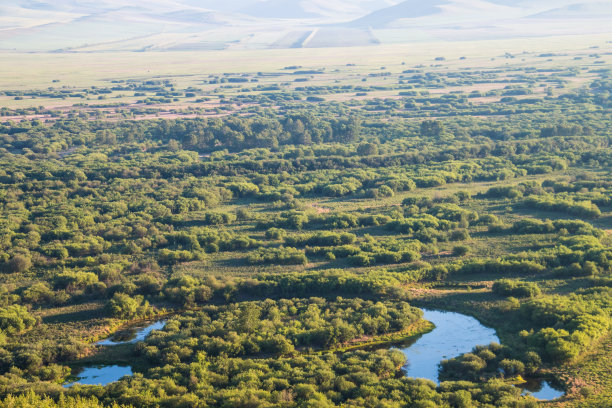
x: 358, y: 379
x: 442, y: 217
x: 15, y: 319
x: 123, y: 306
x: 497, y: 267
x: 504, y: 192
x: 331, y: 282
x: 277, y: 256
x: 490, y: 361
x: 534, y: 226
x: 277, y: 327
x: 507, y: 287
x: 562, y: 327
x: 323, y: 238
x: 388, y: 251
x: 550, y: 203
x: 32, y: 400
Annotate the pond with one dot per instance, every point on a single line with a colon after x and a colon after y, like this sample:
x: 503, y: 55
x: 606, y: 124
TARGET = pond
x: 106, y: 374
x: 541, y: 390
x: 133, y: 334
x: 454, y: 334
x: 100, y: 375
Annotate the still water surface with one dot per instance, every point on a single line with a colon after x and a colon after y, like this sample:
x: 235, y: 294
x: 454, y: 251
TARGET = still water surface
x: 541, y: 390
x: 100, y: 375
x: 132, y: 335
x: 453, y: 335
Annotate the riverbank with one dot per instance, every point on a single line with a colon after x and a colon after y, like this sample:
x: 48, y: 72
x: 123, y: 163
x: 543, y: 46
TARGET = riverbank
x: 413, y: 331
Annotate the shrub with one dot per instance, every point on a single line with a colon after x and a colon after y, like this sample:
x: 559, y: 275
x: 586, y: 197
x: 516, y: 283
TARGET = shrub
x: 123, y: 306
x: 277, y: 256
x: 507, y: 287
x: 461, y: 250
x: 15, y: 318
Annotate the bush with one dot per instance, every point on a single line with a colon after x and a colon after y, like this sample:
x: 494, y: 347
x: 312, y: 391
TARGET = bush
x: 512, y: 367
x: 461, y: 250
x: 15, y: 318
x: 123, y: 306
x: 459, y: 235
x: 578, y: 208
x: 507, y: 287
x: 277, y: 256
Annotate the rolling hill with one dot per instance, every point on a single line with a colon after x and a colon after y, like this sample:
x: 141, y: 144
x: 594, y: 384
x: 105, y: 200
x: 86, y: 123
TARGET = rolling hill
x: 122, y: 25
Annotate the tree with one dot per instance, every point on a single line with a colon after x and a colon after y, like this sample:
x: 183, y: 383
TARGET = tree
x: 367, y: 149
x: 432, y: 128
x: 173, y: 145
x: 248, y: 318
x: 125, y: 307
x: 461, y: 250
x: 19, y: 263
x: 15, y: 318
x: 512, y: 367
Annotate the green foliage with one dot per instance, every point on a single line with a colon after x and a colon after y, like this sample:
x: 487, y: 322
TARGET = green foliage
x: 278, y: 327
x: 461, y: 250
x: 15, y: 318
x: 507, y: 287
x: 197, y: 213
x: 584, y: 209
x: 31, y: 400
x: 123, y: 306
x: 565, y: 326
x: 277, y: 256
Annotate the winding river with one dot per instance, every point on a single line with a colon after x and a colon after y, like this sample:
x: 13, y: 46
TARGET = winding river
x: 454, y: 334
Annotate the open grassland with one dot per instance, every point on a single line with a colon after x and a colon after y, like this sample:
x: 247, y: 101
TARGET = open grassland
x: 38, y: 70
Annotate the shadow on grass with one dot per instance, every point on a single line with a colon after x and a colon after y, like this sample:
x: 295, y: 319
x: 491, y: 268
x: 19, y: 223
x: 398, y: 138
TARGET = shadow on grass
x: 80, y: 316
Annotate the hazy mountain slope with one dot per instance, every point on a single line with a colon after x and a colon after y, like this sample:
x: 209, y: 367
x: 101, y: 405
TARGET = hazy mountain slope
x: 137, y: 25
x: 405, y: 9
x: 573, y: 11
x: 292, y: 9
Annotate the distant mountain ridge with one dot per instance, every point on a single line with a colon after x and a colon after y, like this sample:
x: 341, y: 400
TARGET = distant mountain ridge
x: 138, y: 25
x: 405, y: 9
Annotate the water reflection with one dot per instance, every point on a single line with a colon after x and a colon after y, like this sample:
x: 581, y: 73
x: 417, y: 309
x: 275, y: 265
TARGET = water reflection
x: 132, y: 335
x: 100, y: 375
x: 454, y: 334
x: 541, y: 390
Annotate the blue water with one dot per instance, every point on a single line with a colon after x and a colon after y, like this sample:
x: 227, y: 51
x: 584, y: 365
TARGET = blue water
x: 454, y: 335
x: 133, y: 335
x: 101, y: 375
x: 541, y: 390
